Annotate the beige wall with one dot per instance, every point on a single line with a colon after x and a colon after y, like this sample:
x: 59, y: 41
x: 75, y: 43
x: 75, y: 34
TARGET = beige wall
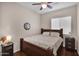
x: 70, y: 11
x: 78, y: 19
x: 12, y: 18
x: 78, y: 26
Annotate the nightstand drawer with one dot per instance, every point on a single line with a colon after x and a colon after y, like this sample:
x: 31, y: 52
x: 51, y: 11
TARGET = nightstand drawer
x: 70, y: 39
x: 69, y: 43
x: 70, y: 47
x: 7, y: 48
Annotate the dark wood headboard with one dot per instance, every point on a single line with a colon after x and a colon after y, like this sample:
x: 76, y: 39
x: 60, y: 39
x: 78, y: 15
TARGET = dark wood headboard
x: 60, y: 31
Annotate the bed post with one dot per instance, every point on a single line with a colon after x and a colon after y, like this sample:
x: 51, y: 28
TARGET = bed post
x: 41, y: 30
x: 21, y: 43
x: 61, y: 32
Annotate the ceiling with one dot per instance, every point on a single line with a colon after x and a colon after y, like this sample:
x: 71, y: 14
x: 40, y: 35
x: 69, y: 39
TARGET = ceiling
x: 55, y: 5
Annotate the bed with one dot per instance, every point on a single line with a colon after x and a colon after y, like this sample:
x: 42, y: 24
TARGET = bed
x: 42, y: 45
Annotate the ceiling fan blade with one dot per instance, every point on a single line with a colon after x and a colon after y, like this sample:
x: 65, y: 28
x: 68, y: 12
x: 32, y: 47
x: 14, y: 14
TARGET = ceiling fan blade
x: 36, y: 4
x: 49, y: 2
x: 41, y: 8
x: 49, y: 6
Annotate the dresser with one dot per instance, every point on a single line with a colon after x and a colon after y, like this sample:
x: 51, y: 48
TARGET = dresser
x: 70, y: 43
x: 7, y: 50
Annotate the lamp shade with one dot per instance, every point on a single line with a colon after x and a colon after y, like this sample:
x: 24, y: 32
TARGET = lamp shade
x: 9, y: 38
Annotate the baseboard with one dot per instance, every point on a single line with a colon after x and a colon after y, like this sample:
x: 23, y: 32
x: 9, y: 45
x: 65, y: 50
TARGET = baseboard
x: 16, y: 50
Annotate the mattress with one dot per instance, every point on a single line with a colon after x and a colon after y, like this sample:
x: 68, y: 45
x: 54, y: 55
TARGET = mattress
x: 45, y: 41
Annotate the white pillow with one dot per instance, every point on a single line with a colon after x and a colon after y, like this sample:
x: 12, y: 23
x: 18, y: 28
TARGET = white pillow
x: 46, y: 33
x: 54, y: 34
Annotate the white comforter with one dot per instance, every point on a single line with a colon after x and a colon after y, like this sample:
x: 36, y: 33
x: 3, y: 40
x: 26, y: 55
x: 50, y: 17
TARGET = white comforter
x: 45, y: 42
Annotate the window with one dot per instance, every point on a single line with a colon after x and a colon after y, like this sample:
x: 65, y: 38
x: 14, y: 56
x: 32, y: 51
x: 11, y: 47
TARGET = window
x: 64, y: 22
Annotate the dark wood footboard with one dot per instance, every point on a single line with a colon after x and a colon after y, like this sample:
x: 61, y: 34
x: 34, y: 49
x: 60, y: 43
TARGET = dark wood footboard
x: 33, y: 50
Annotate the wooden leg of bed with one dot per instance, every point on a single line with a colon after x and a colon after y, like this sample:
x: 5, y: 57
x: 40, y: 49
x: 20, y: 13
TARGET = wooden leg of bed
x: 61, y: 46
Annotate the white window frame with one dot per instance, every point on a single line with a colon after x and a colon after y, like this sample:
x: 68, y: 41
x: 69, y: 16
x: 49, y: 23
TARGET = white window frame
x: 61, y: 24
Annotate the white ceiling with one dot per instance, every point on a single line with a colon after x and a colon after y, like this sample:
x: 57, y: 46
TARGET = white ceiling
x: 55, y: 5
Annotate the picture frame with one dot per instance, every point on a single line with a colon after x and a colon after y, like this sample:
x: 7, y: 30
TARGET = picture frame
x: 27, y: 26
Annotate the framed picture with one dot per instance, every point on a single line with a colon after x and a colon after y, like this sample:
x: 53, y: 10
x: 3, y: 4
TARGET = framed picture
x: 27, y: 26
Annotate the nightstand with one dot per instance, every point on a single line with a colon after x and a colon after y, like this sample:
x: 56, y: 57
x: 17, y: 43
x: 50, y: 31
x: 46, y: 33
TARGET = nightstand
x: 70, y: 43
x: 7, y: 50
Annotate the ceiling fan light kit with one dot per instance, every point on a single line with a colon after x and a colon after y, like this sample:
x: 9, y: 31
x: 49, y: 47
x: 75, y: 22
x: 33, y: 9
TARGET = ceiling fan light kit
x: 44, y: 5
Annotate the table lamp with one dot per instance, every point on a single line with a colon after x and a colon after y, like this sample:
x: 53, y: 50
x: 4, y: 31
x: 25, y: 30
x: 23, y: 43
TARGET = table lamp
x: 5, y: 39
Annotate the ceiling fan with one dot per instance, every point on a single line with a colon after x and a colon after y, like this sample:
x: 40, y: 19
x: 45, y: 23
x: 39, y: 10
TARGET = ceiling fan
x: 44, y: 5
